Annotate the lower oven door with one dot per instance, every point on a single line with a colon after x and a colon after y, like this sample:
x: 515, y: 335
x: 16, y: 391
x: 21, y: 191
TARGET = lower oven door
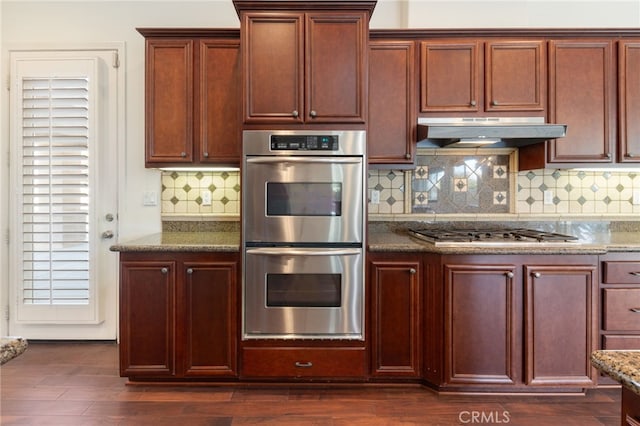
x: 303, y: 293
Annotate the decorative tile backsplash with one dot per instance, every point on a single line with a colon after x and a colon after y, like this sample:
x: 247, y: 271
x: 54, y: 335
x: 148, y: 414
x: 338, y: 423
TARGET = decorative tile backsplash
x: 186, y: 193
x: 454, y: 188
x: 440, y: 184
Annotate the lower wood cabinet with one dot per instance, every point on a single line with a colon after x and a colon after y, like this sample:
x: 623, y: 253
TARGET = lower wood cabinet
x: 395, y: 288
x: 519, y: 322
x: 620, y: 304
x: 178, y: 315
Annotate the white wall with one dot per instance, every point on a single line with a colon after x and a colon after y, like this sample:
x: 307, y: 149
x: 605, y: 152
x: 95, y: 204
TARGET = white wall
x: 50, y: 23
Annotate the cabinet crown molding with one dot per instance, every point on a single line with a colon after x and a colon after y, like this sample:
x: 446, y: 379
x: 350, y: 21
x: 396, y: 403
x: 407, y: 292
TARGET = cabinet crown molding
x: 280, y: 5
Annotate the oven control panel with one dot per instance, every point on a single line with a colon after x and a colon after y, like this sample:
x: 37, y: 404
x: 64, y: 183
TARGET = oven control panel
x: 304, y: 143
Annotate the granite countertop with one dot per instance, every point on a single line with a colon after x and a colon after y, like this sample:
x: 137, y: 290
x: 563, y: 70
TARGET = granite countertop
x: 183, y: 241
x: 11, y: 347
x: 595, y: 238
x: 622, y: 366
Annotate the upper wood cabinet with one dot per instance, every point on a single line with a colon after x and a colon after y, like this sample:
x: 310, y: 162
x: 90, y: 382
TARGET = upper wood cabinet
x: 192, y: 97
x: 476, y: 76
x: 629, y: 101
x: 582, y: 96
x: 392, y: 111
x: 306, y: 65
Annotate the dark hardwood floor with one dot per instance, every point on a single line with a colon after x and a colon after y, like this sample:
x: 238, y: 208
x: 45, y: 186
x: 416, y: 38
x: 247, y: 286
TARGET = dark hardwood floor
x: 78, y: 384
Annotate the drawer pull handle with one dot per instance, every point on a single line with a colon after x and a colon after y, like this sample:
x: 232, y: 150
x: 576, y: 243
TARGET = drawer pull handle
x: 307, y: 364
x: 635, y: 274
x: 635, y: 310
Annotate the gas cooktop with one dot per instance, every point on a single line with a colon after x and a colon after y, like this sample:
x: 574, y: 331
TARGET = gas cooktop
x: 490, y: 236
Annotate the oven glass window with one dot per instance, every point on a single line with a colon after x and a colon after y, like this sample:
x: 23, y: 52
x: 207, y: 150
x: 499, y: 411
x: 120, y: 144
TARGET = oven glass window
x: 304, y: 290
x: 304, y: 199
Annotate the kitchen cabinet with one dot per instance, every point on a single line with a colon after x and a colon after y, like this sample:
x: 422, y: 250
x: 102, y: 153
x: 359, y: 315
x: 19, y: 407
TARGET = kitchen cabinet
x: 178, y: 315
x: 483, y: 313
x: 395, y: 286
x: 476, y: 76
x: 629, y: 101
x: 392, y: 113
x: 504, y: 317
x: 305, y: 64
x: 304, y: 362
x: 620, y: 304
x: 582, y: 84
x: 192, y: 97
x: 560, y: 306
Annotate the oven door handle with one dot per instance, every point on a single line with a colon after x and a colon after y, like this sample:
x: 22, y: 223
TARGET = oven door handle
x: 316, y: 160
x: 268, y: 251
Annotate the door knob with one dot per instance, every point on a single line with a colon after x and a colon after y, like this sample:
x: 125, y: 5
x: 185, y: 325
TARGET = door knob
x: 107, y: 234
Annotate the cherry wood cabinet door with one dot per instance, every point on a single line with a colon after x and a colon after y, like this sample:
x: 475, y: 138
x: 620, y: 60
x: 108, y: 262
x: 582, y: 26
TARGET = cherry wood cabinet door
x: 207, y: 315
x: 169, y: 100
x: 147, y: 318
x: 515, y: 76
x: 483, y: 312
x: 336, y: 67
x: 396, y: 294
x: 449, y: 76
x: 582, y: 96
x: 560, y: 324
x: 273, y: 67
x: 629, y: 101
x: 392, y: 115
x: 218, y: 102
x: 304, y: 67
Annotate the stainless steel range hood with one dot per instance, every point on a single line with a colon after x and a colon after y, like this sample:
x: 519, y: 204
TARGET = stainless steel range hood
x: 490, y: 132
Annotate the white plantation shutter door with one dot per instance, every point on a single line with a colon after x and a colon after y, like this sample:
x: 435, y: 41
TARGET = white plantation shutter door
x: 56, y: 127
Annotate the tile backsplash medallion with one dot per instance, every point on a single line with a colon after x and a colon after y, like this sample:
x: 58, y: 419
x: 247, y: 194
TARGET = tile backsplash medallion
x: 440, y: 184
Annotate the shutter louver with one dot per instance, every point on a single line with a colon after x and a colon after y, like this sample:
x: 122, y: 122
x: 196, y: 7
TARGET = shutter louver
x: 55, y: 191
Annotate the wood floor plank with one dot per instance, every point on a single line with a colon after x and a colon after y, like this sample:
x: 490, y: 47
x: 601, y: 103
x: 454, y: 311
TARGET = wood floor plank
x: 78, y: 384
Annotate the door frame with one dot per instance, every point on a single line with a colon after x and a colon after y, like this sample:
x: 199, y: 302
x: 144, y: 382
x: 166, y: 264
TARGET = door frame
x: 6, y: 213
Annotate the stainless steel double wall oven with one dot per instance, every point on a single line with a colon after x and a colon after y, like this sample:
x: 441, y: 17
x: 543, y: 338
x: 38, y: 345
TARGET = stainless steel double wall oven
x: 303, y: 227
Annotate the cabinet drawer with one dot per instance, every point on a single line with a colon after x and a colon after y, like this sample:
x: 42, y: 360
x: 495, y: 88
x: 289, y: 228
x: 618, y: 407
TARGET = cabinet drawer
x: 304, y: 362
x: 618, y: 342
x: 620, y: 272
x: 620, y: 306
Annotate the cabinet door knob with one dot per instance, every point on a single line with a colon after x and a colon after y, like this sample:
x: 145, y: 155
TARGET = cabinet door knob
x: 206, y: 155
x: 407, y: 156
x: 472, y: 103
x: 630, y: 155
x: 295, y: 113
x: 509, y: 274
x: 189, y: 271
x: 107, y: 235
x: 494, y: 103
x: 607, y: 156
x: 537, y: 274
x: 412, y: 271
x: 313, y: 113
x: 164, y: 270
x: 183, y: 154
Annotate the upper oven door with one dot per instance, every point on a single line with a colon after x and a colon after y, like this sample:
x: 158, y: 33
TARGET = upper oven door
x: 298, y: 199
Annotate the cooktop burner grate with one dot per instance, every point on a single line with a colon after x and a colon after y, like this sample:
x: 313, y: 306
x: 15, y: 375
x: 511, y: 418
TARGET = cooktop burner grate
x: 490, y: 235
